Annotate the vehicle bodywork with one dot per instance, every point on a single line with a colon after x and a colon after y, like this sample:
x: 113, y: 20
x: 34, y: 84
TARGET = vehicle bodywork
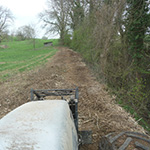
x: 44, y: 124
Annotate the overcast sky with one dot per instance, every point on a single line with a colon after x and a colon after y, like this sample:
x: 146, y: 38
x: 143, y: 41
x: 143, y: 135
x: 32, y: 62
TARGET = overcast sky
x: 25, y: 11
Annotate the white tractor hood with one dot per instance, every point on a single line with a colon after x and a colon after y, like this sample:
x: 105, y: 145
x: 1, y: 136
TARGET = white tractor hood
x: 39, y: 125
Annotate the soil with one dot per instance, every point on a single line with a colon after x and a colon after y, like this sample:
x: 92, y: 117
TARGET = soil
x: 97, y: 109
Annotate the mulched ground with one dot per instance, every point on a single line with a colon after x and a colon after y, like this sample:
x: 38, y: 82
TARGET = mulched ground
x: 97, y: 109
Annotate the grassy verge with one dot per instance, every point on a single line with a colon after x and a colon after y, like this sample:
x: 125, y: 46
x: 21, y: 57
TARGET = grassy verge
x: 21, y: 55
x: 137, y: 117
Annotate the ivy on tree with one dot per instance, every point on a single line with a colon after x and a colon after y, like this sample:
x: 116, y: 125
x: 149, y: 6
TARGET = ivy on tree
x: 136, y: 28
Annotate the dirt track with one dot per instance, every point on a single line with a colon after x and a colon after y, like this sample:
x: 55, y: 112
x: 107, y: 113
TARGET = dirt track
x: 97, y: 110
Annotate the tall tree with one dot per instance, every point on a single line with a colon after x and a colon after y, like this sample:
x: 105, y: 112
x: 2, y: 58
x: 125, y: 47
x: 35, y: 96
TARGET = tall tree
x: 55, y: 17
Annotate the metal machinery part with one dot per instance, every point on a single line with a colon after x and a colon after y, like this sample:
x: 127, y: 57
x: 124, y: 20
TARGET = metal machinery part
x: 39, y: 125
x: 84, y: 137
x: 44, y: 124
x: 73, y: 101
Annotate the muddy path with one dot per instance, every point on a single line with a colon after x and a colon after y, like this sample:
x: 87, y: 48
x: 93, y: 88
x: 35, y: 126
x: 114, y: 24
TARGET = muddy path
x: 97, y: 109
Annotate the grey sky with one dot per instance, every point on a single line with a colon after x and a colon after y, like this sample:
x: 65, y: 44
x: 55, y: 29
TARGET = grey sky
x: 25, y: 12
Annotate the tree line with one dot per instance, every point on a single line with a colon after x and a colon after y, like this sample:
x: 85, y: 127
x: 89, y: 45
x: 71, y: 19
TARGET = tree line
x: 113, y: 38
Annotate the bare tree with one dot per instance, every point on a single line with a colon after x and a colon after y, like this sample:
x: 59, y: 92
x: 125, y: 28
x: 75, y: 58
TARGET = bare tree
x: 55, y: 17
x: 6, y: 18
x: 105, y: 30
x: 27, y: 32
x: 20, y: 34
x: 30, y: 33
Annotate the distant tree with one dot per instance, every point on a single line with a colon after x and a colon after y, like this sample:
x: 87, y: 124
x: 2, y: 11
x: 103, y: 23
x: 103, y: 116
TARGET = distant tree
x: 20, y: 34
x: 6, y: 18
x: 44, y: 38
x: 27, y: 32
x: 31, y: 33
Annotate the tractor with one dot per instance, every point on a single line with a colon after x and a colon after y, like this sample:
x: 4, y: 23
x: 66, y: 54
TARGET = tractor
x: 50, y: 122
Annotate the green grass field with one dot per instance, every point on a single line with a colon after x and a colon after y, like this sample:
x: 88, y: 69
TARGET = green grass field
x: 21, y: 56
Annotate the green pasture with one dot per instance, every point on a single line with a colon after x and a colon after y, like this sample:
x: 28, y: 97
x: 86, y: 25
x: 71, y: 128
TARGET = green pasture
x: 21, y: 55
